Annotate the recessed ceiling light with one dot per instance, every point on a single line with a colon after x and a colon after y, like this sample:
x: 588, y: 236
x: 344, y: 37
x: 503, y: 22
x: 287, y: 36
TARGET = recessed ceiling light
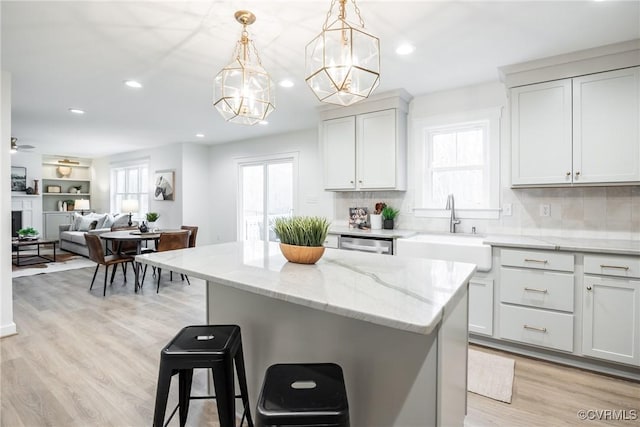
x: 132, y: 83
x: 405, y: 49
x: 199, y: 135
x: 76, y: 111
x: 286, y: 83
x: 263, y: 122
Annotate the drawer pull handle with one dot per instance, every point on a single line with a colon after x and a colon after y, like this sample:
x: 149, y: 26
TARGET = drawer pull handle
x: 620, y: 267
x: 542, y: 261
x: 543, y: 291
x: 534, y: 328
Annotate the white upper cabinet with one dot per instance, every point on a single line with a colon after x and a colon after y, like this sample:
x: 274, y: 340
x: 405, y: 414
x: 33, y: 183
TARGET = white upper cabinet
x: 606, y: 127
x: 584, y: 130
x: 365, y: 151
x: 339, y: 144
x: 541, y: 133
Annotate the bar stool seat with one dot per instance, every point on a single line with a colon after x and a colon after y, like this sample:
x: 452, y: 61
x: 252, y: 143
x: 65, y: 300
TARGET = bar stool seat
x: 216, y: 347
x: 305, y: 394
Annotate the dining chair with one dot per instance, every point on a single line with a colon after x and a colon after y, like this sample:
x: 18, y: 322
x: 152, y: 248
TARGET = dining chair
x: 193, y: 233
x: 96, y: 254
x: 169, y: 241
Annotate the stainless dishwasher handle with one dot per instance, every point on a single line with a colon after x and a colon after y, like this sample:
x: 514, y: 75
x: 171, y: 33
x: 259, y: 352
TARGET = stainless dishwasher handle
x: 376, y: 249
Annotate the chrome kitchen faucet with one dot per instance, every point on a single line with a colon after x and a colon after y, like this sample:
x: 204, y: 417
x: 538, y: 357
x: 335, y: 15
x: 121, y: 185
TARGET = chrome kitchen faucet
x: 453, y: 221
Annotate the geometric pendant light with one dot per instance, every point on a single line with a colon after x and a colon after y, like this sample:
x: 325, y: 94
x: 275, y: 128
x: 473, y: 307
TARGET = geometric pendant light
x: 243, y: 91
x: 342, y: 64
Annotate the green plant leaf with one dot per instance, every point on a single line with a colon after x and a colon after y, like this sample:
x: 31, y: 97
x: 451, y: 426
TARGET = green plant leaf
x: 301, y: 230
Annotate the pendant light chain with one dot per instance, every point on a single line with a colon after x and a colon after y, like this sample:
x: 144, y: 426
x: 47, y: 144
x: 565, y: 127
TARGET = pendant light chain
x: 343, y: 13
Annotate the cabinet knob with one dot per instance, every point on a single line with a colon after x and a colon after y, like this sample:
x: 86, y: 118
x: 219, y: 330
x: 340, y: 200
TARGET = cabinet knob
x: 350, y: 182
x: 360, y: 181
x: 568, y: 173
x: 588, y: 288
x: 577, y: 174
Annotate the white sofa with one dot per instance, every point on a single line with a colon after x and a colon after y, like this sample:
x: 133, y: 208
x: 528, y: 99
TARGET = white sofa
x: 72, y: 235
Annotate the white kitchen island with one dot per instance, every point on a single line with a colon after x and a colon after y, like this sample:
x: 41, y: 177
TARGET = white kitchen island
x: 397, y: 326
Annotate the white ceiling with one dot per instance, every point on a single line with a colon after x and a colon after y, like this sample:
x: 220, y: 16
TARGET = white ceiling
x: 77, y: 54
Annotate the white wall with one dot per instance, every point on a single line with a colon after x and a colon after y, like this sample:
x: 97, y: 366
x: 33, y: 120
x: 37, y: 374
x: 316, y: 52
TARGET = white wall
x: 32, y: 217
x: 596, y: 212
x: 192, y: 187
x: 312, y: 200
x: 7, y: 326
x: 197, y: 206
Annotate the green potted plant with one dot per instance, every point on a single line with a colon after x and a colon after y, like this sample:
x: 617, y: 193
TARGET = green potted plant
x: 301, y: 238
x: 70, y: 204
x: 152, y: 217
x: 388, y: 215
x: 28, y: 233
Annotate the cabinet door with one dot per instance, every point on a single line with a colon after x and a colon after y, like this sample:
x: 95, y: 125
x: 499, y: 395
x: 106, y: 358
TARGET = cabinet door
x: 541, y: 133
x: 338, y: 138
x: 606, y: 127
x: 52, y: 221
x: 611, y: 319
x: 481, y: 306
x: 376, y: 150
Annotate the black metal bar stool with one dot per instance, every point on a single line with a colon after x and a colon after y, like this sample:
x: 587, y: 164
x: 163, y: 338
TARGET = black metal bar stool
x: 216, y: 347
x: 306, y: 394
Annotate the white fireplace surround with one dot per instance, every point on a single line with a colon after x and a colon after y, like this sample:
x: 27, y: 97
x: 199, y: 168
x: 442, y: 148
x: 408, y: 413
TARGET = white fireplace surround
x: 31, y: 208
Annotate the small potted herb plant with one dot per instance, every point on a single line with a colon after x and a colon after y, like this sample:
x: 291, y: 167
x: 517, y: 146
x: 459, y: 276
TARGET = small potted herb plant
x: 389, y: 214
x: 152, y: 217
x: 28, y: 233
x: 301, y: 238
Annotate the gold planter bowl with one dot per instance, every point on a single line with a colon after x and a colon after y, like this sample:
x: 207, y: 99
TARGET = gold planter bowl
x: 302, y: 254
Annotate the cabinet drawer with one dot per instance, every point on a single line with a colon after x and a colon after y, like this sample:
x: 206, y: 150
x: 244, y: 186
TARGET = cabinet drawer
x: 543, y: 289
x: 538, y: 327
x: 331, y: 241
x: 612, y: 265
x: 541, y: 260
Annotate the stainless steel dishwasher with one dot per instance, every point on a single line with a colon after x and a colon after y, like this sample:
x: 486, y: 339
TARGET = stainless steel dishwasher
x: 376, y: 245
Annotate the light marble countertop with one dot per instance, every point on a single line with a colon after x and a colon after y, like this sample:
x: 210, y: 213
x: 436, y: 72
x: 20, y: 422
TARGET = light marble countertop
x: 609, y: 246
x: 385, y: 234
x: 403, y: 293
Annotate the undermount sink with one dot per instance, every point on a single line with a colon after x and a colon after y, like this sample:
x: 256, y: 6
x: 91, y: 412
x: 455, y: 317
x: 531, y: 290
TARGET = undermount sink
x: 448, y: 247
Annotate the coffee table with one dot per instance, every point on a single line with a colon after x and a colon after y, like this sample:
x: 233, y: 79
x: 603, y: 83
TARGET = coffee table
x: 38, y: 258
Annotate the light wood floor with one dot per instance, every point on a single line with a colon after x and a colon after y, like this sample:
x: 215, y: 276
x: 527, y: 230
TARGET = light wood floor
x: 83, y: 360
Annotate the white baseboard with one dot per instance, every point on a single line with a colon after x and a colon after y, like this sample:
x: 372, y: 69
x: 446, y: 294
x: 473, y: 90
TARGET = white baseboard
x: 8, y: 330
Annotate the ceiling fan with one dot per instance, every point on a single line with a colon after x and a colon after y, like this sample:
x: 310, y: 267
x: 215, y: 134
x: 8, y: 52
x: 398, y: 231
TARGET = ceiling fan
x: 15, y: 147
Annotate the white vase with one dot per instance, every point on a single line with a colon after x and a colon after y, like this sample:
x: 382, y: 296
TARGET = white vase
x: 151, y: 226
x: 376, y: 221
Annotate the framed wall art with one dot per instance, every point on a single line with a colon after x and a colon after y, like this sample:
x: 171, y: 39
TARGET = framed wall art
x: 18, y: 178
x: 164, y: 185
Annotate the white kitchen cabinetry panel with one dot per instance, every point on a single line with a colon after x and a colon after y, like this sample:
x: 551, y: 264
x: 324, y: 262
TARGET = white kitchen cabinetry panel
x: 365, y: 151
x: 543, y: 289
x: 542, y: 260
x: 331, y: 241
x: 541, y: 133
x: 339, y: 143
x: 53, y: 221
x: 376, y: 148
x: 579, y: 131
x: 611, y: 319
x: 481, y: 306
x: 538, y: 327
x: 606, y: 127
x: 612, y: 265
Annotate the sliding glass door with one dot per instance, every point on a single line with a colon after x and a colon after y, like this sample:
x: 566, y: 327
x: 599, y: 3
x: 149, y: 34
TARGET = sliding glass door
x: 267, y: 191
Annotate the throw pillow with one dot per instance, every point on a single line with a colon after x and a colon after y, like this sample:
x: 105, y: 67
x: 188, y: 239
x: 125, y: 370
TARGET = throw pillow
x: 85, y: 224
x: 108, y: 221
x: 121, y: 221
x: 93, y: 224
x: 101, y: 218
x: 77, y: 221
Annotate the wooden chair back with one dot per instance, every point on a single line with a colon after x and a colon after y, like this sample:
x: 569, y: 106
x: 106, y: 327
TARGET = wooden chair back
x: 194, y: 233
x: 96, y: 253
x: 170, y: 240
x: 125, y: 247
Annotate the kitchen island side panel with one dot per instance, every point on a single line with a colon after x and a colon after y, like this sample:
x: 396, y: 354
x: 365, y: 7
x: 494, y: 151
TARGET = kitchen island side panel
x: 391, y: 375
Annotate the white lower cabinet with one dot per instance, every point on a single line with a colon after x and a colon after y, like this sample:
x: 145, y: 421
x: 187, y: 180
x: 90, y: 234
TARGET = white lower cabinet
x: 611, y: 311
x: 536, y: 298
x: 538, y: 327
x: 481, y: 306
x: 53, y: 221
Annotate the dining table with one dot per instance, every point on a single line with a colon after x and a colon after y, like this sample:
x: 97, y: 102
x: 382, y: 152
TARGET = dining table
x: 118, y: 237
